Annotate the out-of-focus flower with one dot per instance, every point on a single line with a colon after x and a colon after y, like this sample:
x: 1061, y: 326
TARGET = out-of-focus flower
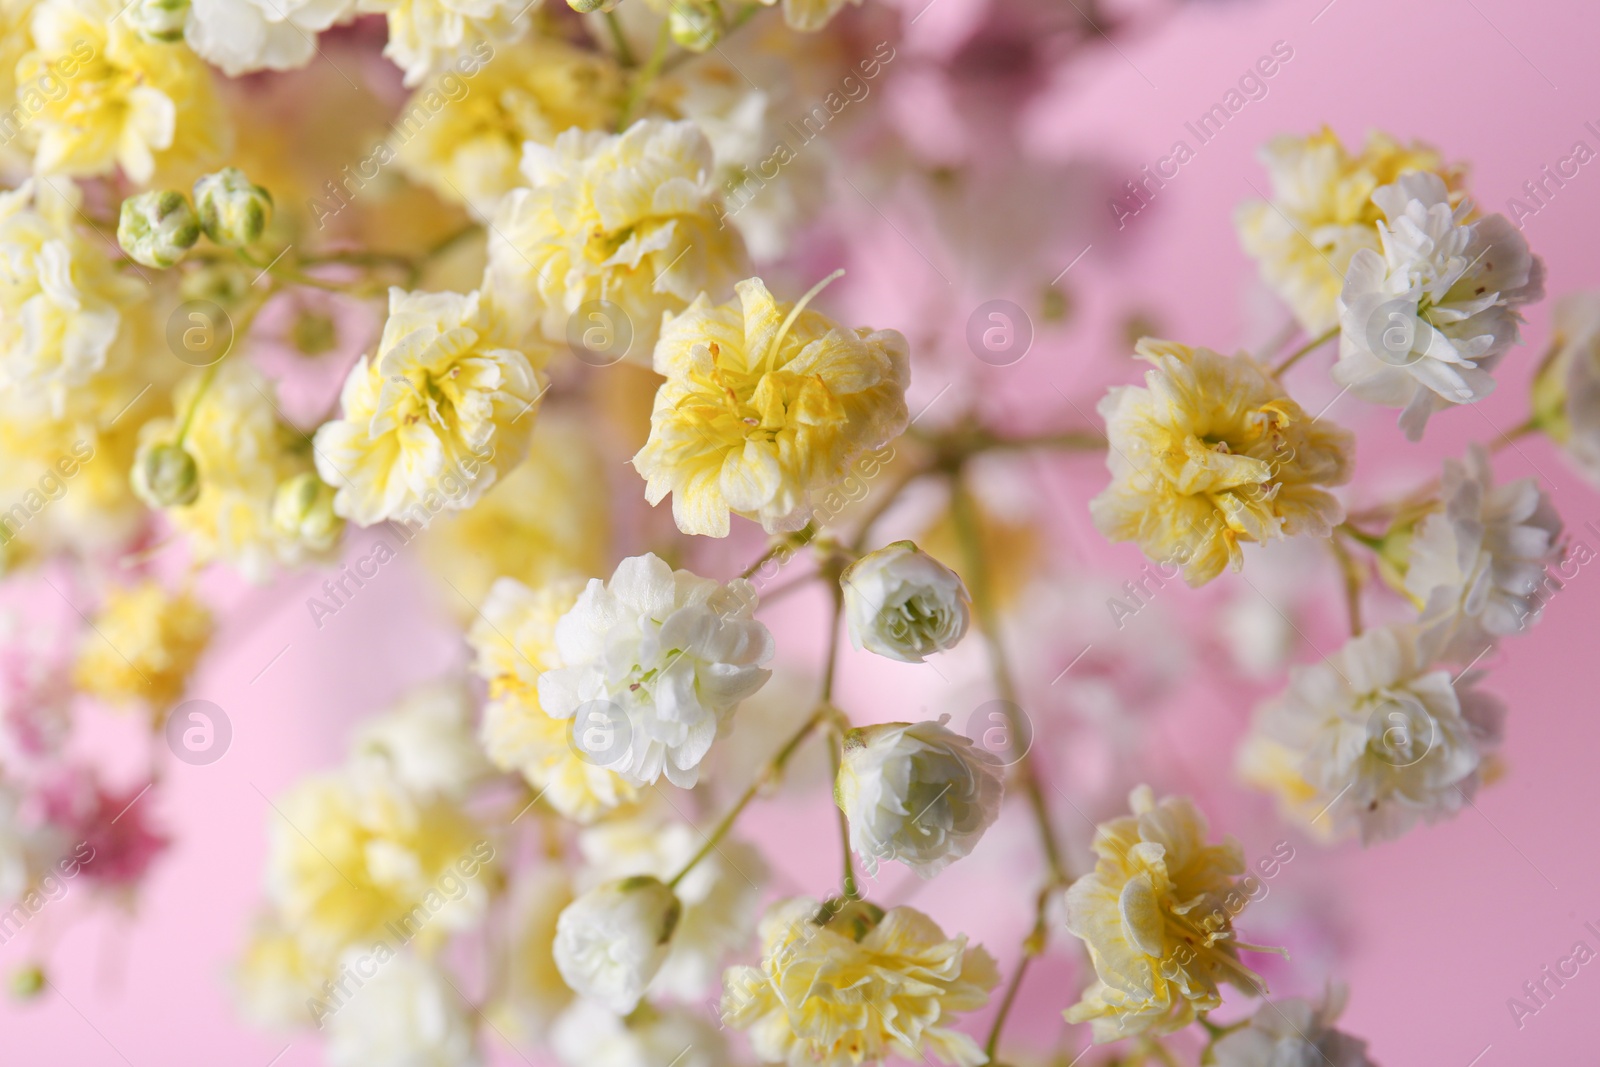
x: 469, y: 151
x: 233, y: 210
x: 241, y: 36
x: 1322, y: 213
x: 719, y: 895
x: 112, y: 838
x: 858, y: 985
x: 408, y: 1014
x: 611, y: 941
x: 157, y: 228
x: 1566, y: 394
x: 918, y: 793
x: 534, y: 993
x: 61, y: 302
x: 1212, y: 453
x: 542, y: 521
x: 143, y: 105
x: 429, y: 36
x: 515, y: 642
x: 143, y: 647
x: 589, y: 1035
x: 242, y: 452
x: 1422, y: 323
x: 1291, y: 1033
x: 442, y: 411
x: 354, y: 850
x: 628, y: 218
x: 426, y: 739
x: 764, y: 405
x: 277, y: 978
x: 902, y: 603
x: 1157, y: 916
x: 1378, y: 736
x: 165, y: 475
x: 1479, y: 563
x: 302, y: 512
x: 811, y: 15
x: 653, y: 664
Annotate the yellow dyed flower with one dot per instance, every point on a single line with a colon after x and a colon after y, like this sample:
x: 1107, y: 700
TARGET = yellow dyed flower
x: 468, y: 150
x: 840, y: 987
x: 515, y: 642
x: 540, y: 522
x: 242, y: 452
x: 18, y: 101
x: 354, y: 851
x: 61, y: 301
x: 1211, y: 453
x: 143, y: 105
x: 765, y: 404
x: 444, y: 409
x: 143, y: 646
x: 277, y: 977
x: 631, y: 218
x: 1321, y: 213
x: 1157, y: 916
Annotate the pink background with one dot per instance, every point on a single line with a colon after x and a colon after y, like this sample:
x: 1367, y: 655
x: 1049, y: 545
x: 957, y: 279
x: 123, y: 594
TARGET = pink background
x: 1432, y: 933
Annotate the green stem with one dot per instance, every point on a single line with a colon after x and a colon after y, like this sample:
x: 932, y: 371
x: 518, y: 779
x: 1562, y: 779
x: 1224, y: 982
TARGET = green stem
x: 840, y: 724
x: 1531, y: 426
x: 1304, y: 350
x: 643, y: 79
x: 625, y: 54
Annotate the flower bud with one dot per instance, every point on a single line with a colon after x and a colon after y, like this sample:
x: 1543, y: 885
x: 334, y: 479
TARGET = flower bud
x: 611, y: 941
x: 694, y: 26
x: 159, y: 20
x: 157, y: 228
x: 302, y: 510
x: 26, y: 982
x: 902, y: 603
x: 584, y: 7
x: 165, y: 476
x: 233, y: 210
x: 916, y: 792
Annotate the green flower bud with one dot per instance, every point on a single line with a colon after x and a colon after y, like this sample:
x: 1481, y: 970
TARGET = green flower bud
x: 159, y: 20
x: 584, y: 7
x: 26, y: 982
x: 302, y: 510
x: 233, y: 210
x: 693, y: 26
x: 157, y: 228
x: 165, y: 476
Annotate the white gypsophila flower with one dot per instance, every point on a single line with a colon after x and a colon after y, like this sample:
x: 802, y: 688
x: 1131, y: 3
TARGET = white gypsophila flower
x: 1423, y: 322
x: 720, y: 894
x: 611, y: 941
x: 916, y: 792
x: 408, y: 1014
x: 1567, y: 392
x: 654, y: 663
x: 427, y: 739
x: 1478, y: 565
x: 1293, y: 1033
x: 902, y: 603
x: 428, y: 36
x: 1379, y: 738
x: 588, y: 1035
x: 241, y: 36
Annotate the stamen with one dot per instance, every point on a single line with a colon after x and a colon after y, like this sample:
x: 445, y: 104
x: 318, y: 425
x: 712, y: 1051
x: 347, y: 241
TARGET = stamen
x: 794, y: 313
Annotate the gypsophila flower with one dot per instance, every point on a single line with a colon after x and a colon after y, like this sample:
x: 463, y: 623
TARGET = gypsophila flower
x: 1157, y: 916
x: 611, y: 941
x: 765, y: 405
x: 1376, y: 737
x: 1478, y: 564
x: 408, y: 1014
x: 428, y: 424
x: 143, y: 647
x: 916, y: 792
x: 159, y: 20
x: 233, y: 210
x: 1321, y: 213
x: 902, y: 603
x: 653, y: 664
x: 426, y: 739
x: 589, y: 1035
x: 1424, y: 322
x: 1293, y: 1033
x: 1566, y: 393
x: 845, y: 986
x: 157, y: 228
x: 427, y: 36
x: 1212, y: 453
x: 241, y: 36
x: 628, y: 218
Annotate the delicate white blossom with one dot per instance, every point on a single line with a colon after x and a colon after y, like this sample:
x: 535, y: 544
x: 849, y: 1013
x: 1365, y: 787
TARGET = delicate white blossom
x: 241, y: 36
x: 611, y: 941
x: 1293, y: 1033
x: 902, y: 603
x: 408, y: 1014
